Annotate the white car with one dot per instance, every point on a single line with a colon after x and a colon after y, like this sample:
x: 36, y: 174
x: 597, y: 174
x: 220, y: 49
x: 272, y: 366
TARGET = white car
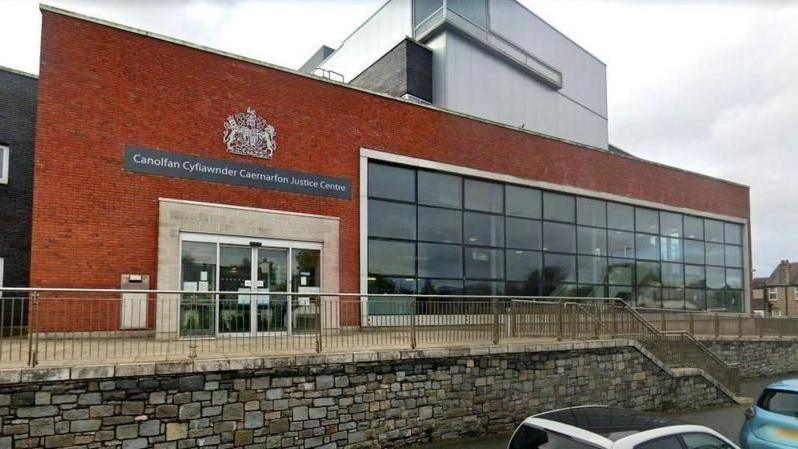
x: 600, y: 427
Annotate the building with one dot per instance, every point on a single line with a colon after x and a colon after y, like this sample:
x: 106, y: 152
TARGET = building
x: 492, y: 59
x: 17, y: 132
x: 200, y: 170
x: 778, y: 292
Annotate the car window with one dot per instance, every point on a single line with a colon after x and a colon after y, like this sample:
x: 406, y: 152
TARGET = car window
x: 671, y: 442
x: 527, y: 437
x: 781, y: 402
x: 703, y: 441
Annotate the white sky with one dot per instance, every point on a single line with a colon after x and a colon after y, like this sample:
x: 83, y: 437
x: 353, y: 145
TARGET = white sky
x: 706, y: 85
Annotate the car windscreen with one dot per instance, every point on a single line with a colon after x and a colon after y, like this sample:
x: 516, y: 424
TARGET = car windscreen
x: 779, y: 401
x: 528, y: 437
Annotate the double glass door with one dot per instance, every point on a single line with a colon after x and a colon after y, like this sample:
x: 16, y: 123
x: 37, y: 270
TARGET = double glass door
x: 258, y: 277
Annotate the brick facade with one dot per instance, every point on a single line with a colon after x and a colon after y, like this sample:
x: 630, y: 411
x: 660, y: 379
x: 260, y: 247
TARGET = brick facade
x: 94, y: 221
x: 17, y: 131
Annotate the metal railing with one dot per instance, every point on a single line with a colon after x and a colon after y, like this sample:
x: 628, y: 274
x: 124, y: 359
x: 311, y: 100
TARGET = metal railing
x: 84, y: 326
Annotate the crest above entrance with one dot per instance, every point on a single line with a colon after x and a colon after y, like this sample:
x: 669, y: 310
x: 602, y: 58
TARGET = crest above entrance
x: 246, y: 133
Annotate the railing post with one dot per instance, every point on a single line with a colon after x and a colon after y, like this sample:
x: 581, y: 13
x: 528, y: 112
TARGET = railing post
x: 781, y: 327
x: 413, y: 342
x: 560, y: 323
x: 614, y: 308
x: 33, y: 334
x: 663, y: 321
x: 692, y: 323
x: 761, y: 326
x: 495, y: 304
x: 318, y: 324
x: 717, y: 325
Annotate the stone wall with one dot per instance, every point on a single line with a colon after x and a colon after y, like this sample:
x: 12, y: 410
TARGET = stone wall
x: 757, y: 357
x: 362, y: 400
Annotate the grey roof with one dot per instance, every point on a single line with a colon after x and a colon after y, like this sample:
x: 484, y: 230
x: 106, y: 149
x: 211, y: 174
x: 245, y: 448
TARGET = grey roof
x: 776, y: 279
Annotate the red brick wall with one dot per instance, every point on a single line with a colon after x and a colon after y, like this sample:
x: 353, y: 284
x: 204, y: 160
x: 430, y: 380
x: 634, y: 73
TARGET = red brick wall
x: 102, y: 88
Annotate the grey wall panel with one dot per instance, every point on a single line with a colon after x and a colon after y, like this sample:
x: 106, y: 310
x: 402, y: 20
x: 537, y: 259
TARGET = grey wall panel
x: 480, y: 83
x: 584, y: 76
x: 373, y: 39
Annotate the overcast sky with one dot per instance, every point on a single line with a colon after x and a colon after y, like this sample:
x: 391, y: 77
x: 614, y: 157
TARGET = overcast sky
x: 705, y: 85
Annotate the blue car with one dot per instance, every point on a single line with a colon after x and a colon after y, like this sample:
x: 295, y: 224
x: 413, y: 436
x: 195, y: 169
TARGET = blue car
x: 772, y: 422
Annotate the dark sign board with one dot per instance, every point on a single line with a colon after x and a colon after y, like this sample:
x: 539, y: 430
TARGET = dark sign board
x: 166, y: 163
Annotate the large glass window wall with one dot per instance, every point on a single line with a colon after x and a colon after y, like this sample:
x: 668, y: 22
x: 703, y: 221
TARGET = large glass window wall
x: 437, y: 233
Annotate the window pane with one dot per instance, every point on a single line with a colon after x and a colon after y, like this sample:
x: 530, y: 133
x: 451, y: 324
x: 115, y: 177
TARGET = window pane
x: 781, y: 402
x: 695, y: 276
x: 390, y: 305
x: 523, y: 202
x: 734, y: 301
x: 591, y: 241
x: 395, y: 220
x: 560, y: 290
x: 648, y: 297
x: 559, y: 268
x: 716, y: 300
x: 558, y: 207
x: 670, y: 224
x: 483, y: 263
x: 713, y: 230
x: 646, y: 220
x: 474, y: 10
x: 673, y: 298
x: 620, y: 216
x: 671, y: 249
x: 621, y: 271
x: 484, y: 196
x: 648, y: 273
x: 591, y: 291
x: 734, y: 256
x: 559, y: 237
x: 198, y: 264
x: 624, y: 293
x: 716, y: 277
x: 647, y: 246
x: 703, y: 441
x: 484, y: 288
x: 524, y: 266
x: 484, y: 229
x: 385, y: 284
x: 693, y: 227
x: 389, y: 257
x: 440, y: 287
x: 395, y: 183
x: 591, y: 212
x: 440, y: 225
x: 694, y: 251
x: 424, y: 8
x: 440, y: 261
x: 715, y: 254
x: 671, y: 442
x: 733, y: 233
x: 530, y: 288
x: 734, y: 278
x: 592, y: 270
x: 621, y: 244
x: 438, y: 189
x: 523, y: 233
x: 672, y: 275
x: 695, y: 299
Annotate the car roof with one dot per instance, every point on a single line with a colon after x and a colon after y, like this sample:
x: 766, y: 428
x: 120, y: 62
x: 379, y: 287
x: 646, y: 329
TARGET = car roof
x: 608, y: 422
x: 788, y: 384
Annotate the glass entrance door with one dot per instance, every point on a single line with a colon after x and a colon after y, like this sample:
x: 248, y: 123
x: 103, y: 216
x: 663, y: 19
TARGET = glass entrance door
x: 235, y: 275
x: 254, y: 272
x: 272, y: 311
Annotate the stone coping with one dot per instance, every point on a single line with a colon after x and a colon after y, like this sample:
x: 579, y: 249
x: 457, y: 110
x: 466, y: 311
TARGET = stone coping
x: 746, y: 338
x: 87, y: 372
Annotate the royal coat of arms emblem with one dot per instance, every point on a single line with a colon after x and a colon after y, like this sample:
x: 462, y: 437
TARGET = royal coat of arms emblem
x: 248, y: 134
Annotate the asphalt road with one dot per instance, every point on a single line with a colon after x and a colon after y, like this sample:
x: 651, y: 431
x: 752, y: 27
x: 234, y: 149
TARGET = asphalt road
x: 726, y: 420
